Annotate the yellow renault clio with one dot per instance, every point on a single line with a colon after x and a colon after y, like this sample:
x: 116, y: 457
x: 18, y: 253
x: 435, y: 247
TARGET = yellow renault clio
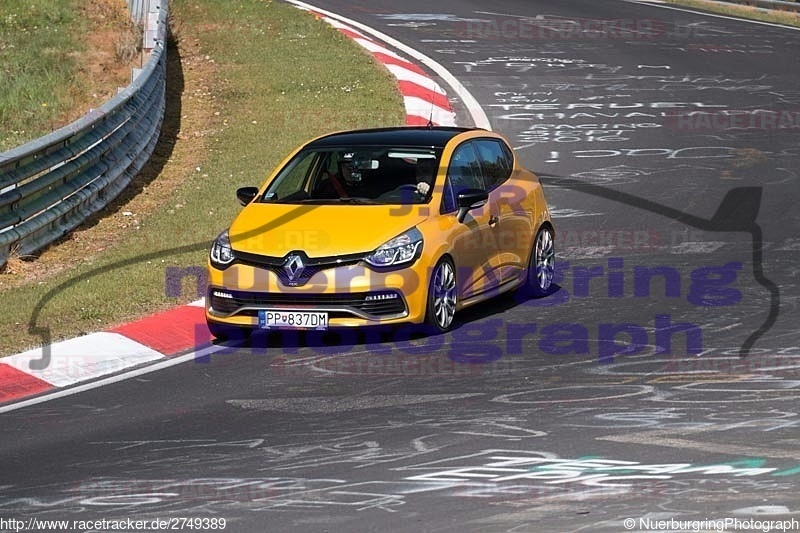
x: 380, y: 227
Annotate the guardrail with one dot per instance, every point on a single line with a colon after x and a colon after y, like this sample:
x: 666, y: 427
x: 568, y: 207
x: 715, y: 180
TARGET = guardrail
x: 52, y: 184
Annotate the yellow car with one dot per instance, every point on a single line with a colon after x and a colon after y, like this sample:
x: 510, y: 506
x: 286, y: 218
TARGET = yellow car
x: 381, y: 227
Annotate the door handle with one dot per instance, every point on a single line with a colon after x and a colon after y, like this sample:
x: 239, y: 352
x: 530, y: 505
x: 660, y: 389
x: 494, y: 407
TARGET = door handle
x: 493, y: 220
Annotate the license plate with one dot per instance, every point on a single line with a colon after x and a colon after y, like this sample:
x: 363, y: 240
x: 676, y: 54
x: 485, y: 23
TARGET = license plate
x: 290, y: 319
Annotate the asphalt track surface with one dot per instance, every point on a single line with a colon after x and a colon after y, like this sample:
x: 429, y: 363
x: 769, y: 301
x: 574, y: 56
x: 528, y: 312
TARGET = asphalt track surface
x: 527, y: 417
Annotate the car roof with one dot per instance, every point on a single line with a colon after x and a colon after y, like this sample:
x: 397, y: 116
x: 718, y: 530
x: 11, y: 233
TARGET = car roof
x: 436, y: 136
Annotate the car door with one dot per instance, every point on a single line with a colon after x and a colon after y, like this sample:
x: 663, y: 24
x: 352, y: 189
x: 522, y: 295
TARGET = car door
x: 473, y: 245
x: 508, y: 201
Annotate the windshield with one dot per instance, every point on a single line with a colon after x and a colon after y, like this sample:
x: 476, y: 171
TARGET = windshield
x: 356, y: 175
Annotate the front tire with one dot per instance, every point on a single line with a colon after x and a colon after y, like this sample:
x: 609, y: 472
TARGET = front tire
x: 542, y: 265
x: 442, y: 296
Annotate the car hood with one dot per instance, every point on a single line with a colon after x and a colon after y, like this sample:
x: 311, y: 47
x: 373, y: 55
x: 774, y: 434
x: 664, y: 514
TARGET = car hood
x: 319, y: 230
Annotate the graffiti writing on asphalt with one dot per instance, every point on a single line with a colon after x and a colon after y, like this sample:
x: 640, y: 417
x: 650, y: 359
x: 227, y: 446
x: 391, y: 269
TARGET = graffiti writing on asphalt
x: 514, y: 466
x: 505, y: 475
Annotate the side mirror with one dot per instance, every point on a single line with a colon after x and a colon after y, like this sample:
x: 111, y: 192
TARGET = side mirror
x: 470, y: 199
x: 245, y: 195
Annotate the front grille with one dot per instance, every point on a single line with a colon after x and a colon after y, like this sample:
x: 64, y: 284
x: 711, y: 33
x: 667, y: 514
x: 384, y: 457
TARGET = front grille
x: 339, y: 305
x: 312, y: 265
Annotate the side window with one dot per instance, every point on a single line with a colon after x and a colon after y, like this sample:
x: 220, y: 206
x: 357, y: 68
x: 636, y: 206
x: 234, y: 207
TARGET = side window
x: 496, y: 161
x: 463, y: 173
x: 292, y: 179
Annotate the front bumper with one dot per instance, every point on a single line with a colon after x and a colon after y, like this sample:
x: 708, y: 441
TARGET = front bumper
x: 352, y: 295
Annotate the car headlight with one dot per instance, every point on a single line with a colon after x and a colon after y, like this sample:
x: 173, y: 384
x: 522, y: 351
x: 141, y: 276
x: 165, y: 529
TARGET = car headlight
x: 221, y: 252
x: 404, y: 248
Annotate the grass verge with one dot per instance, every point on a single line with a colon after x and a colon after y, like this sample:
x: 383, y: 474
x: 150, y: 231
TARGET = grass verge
x: 247, y: 83
x: 36, y: 38
x: 58, y: 58
x: 778, y: 17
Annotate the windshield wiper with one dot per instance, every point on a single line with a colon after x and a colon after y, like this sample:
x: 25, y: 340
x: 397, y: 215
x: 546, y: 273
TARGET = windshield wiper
x: 356, y: 200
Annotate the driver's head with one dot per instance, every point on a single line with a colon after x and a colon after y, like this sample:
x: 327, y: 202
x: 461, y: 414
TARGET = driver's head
x: 346, y: 169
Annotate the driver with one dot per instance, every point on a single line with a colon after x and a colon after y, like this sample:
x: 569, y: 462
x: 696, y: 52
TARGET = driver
x: 350, y: 178
x: 338, y: 184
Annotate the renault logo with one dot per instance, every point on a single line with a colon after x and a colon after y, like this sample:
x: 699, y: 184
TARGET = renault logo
x: 293, y: 267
